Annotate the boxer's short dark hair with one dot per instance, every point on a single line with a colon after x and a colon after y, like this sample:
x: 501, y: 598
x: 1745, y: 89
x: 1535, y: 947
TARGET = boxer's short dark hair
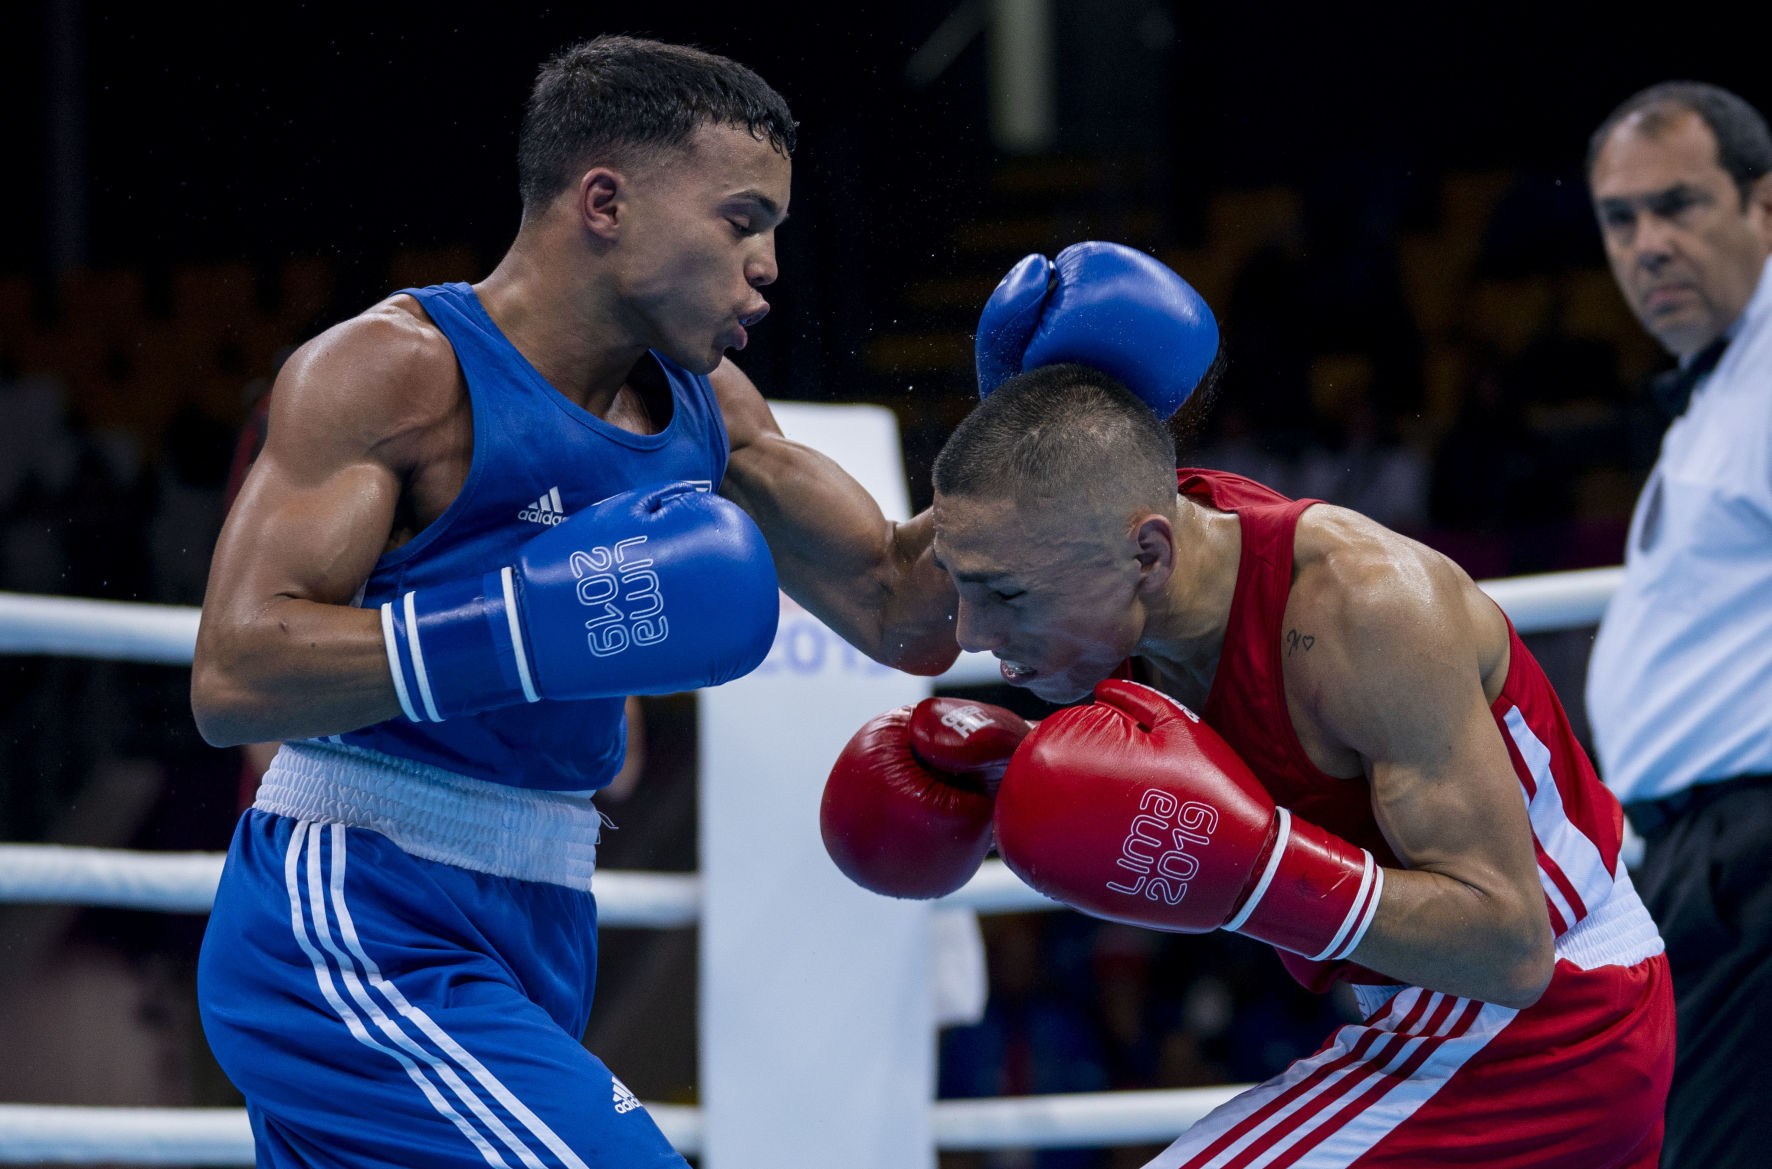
x: 1055, y: 432
x: 615, y: 97
x: 1744, y: 145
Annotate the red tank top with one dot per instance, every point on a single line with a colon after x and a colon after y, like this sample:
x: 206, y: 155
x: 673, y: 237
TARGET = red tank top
x: 1576, y: 822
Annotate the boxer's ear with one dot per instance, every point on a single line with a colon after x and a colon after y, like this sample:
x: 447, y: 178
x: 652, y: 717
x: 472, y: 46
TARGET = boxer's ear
x: 602, y: 201
x: 1153, y: 538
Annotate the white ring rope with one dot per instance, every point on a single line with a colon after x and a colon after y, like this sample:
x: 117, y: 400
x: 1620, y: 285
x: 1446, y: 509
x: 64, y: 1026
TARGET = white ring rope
x: 172, y: 882
x: 1078, y: 1120
x: 53, y: 1134
x: 47, y: 1134
x: 129, y: 631
x: 118, y: 631
x: 186, y: 883
x: 1535, y: 604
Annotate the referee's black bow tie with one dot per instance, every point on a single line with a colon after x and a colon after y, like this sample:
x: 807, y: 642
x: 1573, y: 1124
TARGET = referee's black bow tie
x: 1672, y: 390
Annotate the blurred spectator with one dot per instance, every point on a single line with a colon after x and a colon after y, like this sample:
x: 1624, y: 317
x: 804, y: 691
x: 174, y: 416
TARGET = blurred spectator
x: 1487, y: 475
x: 1031, y: 1040
x: 36, y: 447
x: 38, y: 461
x: 1234, y: 443
x: 189, y: 505
x: 1266, y: 336
x: 1357, y: 460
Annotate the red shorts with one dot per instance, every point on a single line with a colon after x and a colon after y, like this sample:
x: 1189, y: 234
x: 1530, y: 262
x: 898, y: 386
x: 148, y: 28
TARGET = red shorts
x: 1576, y: 1081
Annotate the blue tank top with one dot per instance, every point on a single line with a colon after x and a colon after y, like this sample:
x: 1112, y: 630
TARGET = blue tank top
x: 537, y: 458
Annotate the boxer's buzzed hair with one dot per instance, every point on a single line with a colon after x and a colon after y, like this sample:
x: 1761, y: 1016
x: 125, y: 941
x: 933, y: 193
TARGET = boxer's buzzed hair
x: 616, y: 98
x: 1057, y: 433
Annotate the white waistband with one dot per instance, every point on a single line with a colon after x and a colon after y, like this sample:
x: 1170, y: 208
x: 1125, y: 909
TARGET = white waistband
x: 436, y: 814
x: 1371, y: 996
x: 1616, y: 932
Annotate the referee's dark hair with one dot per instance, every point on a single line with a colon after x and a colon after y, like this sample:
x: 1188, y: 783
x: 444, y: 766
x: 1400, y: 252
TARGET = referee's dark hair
x: 1744, y: 145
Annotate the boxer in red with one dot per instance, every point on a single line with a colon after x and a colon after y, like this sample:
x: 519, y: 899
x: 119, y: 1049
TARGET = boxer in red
x: 1380, y: 783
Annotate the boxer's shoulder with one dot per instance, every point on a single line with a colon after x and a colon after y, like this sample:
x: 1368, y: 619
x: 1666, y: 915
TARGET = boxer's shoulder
x: 1348, y: 564
x: 1362, y: 595
x: 746, y: 415
x: 384, y: 381
x: 1374, y: 617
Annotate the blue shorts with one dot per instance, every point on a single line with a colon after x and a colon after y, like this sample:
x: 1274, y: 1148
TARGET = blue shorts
x: 379, y: 1008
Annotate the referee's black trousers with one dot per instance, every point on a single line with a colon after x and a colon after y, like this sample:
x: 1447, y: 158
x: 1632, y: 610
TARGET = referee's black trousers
x: 1707, y: 880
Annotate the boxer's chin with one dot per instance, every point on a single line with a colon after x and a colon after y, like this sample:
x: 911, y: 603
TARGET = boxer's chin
x: 1060, y: 690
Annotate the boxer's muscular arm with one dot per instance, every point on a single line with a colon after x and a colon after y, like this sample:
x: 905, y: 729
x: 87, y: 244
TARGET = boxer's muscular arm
x: 1393, y: 673
x: 871, y: 580
x: 281, y: 651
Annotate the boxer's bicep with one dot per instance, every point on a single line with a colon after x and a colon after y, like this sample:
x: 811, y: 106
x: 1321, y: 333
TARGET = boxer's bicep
x: 870, y: 579
x: 1401, y: 688
x: 281, y: 650
x: 1445, y: 795
x: 304, y: 528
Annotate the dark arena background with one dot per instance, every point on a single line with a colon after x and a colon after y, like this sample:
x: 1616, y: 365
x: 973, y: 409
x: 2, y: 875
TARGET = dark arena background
x: 1385, y: 207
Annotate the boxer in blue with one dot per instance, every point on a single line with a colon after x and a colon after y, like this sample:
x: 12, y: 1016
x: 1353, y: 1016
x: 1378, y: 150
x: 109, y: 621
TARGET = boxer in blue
x: 482, y: 516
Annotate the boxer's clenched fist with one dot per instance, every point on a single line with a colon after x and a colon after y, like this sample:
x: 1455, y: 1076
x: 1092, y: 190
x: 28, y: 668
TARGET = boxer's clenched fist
x: 907, y: 808
x: 1131, y: 808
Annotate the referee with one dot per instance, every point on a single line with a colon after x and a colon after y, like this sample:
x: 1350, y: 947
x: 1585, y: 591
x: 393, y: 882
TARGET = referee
x: 1679, y: 688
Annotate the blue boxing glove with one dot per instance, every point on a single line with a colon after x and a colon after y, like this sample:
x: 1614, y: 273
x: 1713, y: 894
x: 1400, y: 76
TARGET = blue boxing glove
x: 1103, y: 305
x: 652, y: 591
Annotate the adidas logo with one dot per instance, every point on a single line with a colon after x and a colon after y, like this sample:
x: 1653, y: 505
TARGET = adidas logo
x: 546, y: 510
x: 625, y: 1101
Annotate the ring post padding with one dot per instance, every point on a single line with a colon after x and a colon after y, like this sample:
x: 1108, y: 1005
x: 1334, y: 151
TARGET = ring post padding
x: 800, y: 968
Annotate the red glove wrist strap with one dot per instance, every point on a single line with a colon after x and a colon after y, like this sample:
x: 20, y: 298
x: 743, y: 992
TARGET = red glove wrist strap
x: 1317, y: 893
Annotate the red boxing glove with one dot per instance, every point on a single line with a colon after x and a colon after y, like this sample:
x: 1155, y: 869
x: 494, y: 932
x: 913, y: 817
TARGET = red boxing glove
x: 1133, y: 809
x: 907, y: 808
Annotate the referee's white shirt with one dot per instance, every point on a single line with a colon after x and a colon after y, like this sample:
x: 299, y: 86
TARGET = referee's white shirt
x: 1679, y: 688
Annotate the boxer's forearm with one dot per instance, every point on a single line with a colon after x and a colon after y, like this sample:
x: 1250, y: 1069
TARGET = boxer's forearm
x: 871, y: 580
x: 1444, y: 934
x: 293, y: 669
x: 900, y: 610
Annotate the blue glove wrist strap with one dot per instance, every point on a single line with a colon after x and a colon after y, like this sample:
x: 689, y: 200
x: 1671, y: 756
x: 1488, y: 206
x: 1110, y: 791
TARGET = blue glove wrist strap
x: 457, y: 648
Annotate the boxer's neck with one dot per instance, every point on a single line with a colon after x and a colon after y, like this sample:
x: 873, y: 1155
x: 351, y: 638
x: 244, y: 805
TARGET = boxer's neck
x: 1185, y: 630
x: 561, y: 317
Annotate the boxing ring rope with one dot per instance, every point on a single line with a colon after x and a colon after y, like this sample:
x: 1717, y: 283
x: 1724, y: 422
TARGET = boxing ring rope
x: 43, y: 1134
x: 123, y: 631
x: 186, y: 883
